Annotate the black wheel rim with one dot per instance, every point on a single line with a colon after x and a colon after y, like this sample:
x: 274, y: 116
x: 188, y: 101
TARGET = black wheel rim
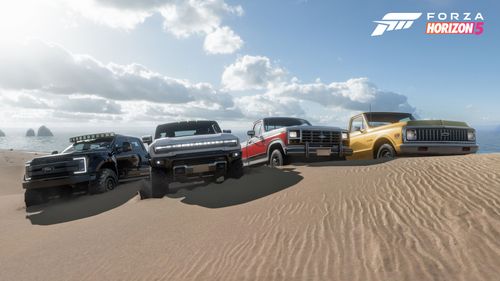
x: 275, y: 161
x: 110, y: 184
x: 386, y: 153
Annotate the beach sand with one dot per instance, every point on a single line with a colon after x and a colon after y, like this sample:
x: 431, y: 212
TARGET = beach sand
x: 434, y: 218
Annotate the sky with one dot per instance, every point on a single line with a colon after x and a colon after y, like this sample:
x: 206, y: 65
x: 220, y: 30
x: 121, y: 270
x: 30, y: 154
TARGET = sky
x: 126, y: 63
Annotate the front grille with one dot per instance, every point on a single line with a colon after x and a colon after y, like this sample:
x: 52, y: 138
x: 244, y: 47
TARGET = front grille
x: 52, y: 169
x: 197, y: 161
x: 441, y: 134
x: 198, y: 158
x: 51, y: 160
x: 321, y: 138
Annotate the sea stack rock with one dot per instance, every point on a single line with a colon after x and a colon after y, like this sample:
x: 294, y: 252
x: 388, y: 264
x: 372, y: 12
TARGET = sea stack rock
x: 30, y: 133
x: 2, y: 134
x: 44, y: 132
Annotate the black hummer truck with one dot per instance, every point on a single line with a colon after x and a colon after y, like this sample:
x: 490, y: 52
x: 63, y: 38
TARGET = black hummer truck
x: 192, y: 150
x: 93, y: 163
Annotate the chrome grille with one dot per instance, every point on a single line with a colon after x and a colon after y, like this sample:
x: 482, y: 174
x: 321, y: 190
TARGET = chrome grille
x: 441, y: 134
x: 322, y: 138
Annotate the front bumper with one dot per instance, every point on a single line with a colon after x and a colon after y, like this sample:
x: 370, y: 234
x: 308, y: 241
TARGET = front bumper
x: 197, y: 164
x: 59, y: 181
x: 307, y: 151
x: 437, y: 149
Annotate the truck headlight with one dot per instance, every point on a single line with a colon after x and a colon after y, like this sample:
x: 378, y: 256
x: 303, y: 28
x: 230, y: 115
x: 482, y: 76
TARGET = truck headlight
x: 82, y: 165
x: 293, y: 134
x: 233, y: 142
x: 411, y: 134
x: 471, y: 135
x: 27, y: 171
x: 345, y: 135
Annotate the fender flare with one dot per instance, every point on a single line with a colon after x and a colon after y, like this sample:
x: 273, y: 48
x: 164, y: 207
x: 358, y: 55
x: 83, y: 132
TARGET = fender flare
x: 385, y: 139
x: 109, y: 161
x: 273, y: 142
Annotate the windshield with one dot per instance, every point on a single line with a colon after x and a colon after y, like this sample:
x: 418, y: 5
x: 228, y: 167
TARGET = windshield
x: 183, y: 129
x: 376, y: 119
x: 95, y: 144
x: 277, y: 123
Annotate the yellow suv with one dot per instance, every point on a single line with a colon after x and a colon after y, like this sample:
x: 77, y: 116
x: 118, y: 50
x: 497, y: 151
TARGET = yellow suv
x: 390, y: 134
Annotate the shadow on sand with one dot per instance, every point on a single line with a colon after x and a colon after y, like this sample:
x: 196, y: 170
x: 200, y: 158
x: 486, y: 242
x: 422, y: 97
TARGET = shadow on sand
x: 256, y: 183
x: 78, y: 207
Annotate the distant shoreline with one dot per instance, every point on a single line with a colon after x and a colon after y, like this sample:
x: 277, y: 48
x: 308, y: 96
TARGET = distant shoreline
x: 24, y: 151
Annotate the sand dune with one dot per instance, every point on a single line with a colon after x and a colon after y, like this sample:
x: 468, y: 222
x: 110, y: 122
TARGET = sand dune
x: 408, y: 219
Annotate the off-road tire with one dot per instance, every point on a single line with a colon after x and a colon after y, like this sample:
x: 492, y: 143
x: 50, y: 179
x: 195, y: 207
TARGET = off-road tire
x: 276, y: 159
x: 386, y: 151
x: 107, y: 180
x: 236, y: 169
x: 159, y: 183
x: 35, y: 197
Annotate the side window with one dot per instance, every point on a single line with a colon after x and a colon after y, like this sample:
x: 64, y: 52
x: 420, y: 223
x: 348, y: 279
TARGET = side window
x: 258, y: 129
x: 119, y: 142
x: 357, y: 124
x: 137, y: 145
x: 271, y: 125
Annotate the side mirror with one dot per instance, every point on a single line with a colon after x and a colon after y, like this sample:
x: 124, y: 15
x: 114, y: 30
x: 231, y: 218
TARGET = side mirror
x: 55, y: 152
x: 147, y: 139
x: 126, y: 147
x: 251, y: 133
x: 226, y: 131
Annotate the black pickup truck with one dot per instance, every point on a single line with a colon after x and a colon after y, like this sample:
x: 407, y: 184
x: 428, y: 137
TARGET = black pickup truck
x: 93, y: 163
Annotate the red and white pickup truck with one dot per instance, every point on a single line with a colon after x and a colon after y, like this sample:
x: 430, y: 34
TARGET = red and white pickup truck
x: 278, y: 140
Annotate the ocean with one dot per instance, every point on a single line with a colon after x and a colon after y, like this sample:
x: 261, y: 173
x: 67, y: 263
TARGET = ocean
x: 16, y: 139
x: 489, y: 141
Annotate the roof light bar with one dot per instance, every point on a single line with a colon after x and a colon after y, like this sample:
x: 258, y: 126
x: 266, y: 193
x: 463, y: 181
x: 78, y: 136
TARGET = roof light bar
x: 91, y: 137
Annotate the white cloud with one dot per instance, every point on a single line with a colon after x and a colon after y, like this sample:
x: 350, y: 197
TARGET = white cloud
x: 38, y: 78
x: 251, y: 73
x: 42, y: 76
x: 354, y: 94
x: 70, y: 104
x: 182, y: 18
x: 222, y: 41
x: 52, y: 69
x: 109, y: 15
x: 259, y: 106
x: 291, y: 97
x: 190, y: 111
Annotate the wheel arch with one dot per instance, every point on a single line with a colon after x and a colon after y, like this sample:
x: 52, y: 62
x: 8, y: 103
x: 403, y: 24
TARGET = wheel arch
x: 275, y: 144
x: 379, y: 142
x: 108, y: 165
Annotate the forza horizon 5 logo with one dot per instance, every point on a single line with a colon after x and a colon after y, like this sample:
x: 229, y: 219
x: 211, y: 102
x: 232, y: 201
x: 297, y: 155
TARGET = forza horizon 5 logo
x: 437, y: 23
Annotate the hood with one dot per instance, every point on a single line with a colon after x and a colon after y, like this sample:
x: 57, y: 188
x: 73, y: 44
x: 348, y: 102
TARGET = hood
x: 314, y: 128
x: 62, y: 157
x: 190, y: 139
x: 444, y: 123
